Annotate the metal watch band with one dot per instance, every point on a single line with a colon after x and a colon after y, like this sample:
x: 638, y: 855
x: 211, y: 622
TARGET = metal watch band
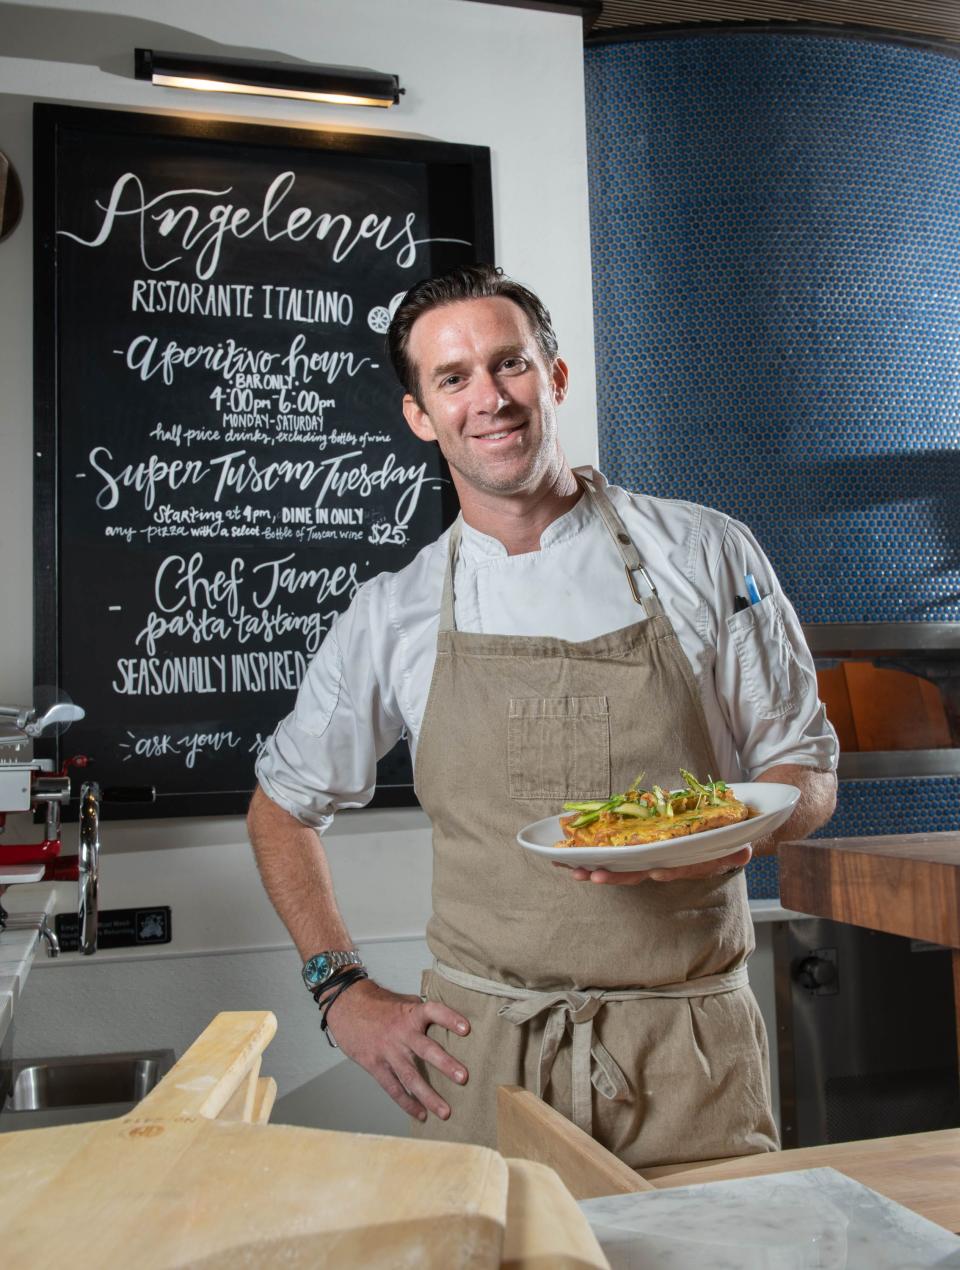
x: 323, y: 966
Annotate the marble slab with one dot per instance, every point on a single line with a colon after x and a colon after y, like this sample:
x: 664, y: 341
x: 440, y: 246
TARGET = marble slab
x: 814, y: 1219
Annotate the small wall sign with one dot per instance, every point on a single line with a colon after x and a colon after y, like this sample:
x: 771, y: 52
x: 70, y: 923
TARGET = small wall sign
x: 118, y: 928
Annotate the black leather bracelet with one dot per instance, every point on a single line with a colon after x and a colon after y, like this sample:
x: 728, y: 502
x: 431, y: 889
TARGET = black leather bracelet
x: 331, y: 984
x: 350, y: 977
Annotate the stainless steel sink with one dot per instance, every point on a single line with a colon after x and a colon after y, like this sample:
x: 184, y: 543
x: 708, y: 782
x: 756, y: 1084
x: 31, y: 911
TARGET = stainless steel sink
x: 68, y: 1090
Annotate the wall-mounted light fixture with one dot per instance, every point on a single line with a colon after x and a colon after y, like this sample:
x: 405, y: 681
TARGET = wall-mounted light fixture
x: 341, y: 85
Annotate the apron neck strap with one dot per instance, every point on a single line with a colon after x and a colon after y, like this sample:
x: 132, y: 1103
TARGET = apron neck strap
x: 447, y: 622
x: 632, y: 562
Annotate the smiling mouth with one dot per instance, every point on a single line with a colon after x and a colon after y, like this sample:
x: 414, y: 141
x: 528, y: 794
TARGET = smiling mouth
x: 499, y: 436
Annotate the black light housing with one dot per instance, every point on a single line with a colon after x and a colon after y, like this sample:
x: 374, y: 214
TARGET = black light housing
x: 341, y: 85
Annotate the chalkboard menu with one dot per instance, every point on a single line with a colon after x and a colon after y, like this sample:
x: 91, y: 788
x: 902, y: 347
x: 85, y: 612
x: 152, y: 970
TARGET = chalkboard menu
x: 221, y: 457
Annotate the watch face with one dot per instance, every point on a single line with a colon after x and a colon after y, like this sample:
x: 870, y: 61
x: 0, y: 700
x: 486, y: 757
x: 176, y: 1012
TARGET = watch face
x: 316, y: 970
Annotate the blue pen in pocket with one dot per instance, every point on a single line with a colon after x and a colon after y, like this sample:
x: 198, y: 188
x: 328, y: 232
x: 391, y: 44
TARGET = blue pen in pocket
x: 750, y: 582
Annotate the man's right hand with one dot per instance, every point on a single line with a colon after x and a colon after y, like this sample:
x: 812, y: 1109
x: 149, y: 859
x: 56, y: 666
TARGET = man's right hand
x: 386, y: 1033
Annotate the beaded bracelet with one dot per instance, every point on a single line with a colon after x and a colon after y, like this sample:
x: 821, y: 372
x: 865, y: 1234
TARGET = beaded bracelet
x: 346, y: 980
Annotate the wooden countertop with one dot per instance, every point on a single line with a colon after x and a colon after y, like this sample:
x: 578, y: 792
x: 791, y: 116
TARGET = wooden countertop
x: 905, y: 884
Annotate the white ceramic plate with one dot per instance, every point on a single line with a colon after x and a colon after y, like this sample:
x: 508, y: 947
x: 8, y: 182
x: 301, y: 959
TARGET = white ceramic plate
x: 772, y: 804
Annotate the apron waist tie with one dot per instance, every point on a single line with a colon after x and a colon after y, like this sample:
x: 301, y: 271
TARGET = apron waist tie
x: 591, y: 1062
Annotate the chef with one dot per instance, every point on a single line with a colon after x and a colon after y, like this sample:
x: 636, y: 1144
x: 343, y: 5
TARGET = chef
x: 560, y: 638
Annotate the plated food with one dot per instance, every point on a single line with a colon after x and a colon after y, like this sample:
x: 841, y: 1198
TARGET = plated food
x: 768, y: 806
x: 652, y: 815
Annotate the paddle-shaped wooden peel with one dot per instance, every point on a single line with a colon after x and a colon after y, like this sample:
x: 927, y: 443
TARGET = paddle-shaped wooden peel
x: 192, y: 1178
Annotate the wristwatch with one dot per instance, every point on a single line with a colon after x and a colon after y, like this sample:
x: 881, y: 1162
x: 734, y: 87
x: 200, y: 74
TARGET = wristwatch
x: 323, y: 966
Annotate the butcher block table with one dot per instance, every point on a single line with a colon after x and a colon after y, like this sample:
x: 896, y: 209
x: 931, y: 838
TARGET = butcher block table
x: 903, y: 884
x: 194, y: 1176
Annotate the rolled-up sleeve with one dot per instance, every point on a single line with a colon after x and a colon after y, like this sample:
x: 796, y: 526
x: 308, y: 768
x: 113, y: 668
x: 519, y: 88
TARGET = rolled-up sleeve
x: 323, y: 756
x: 766, y: 681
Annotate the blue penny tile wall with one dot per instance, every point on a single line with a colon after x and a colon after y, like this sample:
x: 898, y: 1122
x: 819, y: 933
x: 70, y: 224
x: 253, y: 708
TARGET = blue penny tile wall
x: 776, y: 252
x: 867, y: 808
x: 763, y: 878
x: 916, y: 804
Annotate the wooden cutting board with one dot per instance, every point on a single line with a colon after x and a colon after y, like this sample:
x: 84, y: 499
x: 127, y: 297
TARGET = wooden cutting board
x: 195, y: 1192
x: 190, y: 1178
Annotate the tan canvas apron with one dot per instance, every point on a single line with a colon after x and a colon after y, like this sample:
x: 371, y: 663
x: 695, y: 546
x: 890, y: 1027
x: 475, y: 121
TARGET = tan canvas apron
x: 625, y: 1007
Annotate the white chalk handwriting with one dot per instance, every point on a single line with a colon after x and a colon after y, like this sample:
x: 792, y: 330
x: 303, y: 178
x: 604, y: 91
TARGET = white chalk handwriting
x: 198, y: 223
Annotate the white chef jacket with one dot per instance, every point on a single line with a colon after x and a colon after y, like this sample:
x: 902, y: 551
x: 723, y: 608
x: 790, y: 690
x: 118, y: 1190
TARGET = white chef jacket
x: 367, y: 686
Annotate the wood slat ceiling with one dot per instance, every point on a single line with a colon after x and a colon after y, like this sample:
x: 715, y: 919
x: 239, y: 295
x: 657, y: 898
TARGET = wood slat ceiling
x: 938, y: 18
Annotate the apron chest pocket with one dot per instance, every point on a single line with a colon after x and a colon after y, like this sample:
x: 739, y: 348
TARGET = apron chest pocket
x: 559, y: 747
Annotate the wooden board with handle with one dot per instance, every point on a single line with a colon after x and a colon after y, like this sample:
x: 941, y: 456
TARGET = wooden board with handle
x: 545, y: 1229
x: 192, y: 1177
x: 529, y: 1129
x: 155, y: 1193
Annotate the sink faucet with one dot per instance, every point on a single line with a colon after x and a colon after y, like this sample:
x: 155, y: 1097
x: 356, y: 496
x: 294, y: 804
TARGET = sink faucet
x: 46, y: 932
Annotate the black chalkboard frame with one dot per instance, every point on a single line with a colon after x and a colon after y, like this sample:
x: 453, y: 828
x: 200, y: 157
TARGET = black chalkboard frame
x: 459, y: 179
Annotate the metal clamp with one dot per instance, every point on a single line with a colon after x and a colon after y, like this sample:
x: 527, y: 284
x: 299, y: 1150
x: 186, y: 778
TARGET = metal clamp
x: 633, y: 582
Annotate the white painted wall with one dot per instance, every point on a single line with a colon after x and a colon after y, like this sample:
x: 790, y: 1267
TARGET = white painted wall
x: 479, y: 74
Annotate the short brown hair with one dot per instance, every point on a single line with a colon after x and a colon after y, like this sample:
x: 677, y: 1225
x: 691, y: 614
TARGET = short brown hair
x: 470, y: 282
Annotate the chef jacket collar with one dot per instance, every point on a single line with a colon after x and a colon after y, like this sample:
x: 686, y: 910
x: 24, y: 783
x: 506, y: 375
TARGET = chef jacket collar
x: 475, y: 547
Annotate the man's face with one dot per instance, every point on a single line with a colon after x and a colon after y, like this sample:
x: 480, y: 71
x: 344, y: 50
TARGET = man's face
x: 489, y: 398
